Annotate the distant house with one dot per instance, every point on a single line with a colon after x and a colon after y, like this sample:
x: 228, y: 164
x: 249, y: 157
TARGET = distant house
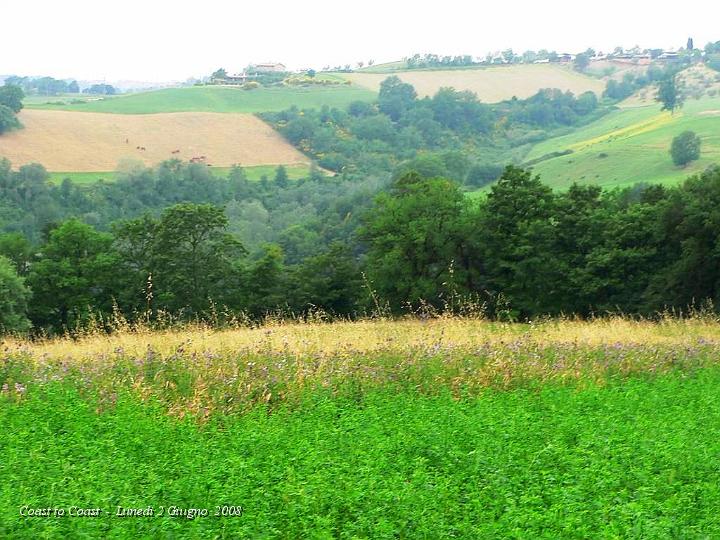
x: 669, y: 55
x: 236, y: 79
x: 270, y: 68
x: 565, y: 58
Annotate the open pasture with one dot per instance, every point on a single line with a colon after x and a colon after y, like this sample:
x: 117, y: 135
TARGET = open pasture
x: 631, y: 145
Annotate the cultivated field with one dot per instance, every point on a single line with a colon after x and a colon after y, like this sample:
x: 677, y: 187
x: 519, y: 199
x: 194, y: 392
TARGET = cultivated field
x: 631, y: 145
x: 439, y: 428
x: 215, y: 99
x: 88, y: 142
x: 490, y: 84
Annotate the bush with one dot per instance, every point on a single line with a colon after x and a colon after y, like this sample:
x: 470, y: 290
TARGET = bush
x: 685, y: 148
x: 482, y: 174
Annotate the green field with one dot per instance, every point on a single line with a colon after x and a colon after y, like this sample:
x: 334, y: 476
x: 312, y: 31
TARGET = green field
x: 377, y: 429
x: 256, y: 173
x: 631, y: 145
x: 215, y: 99
x: 637, y: 459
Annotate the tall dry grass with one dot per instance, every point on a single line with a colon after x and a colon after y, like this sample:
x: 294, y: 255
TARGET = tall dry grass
x: 199, y: 370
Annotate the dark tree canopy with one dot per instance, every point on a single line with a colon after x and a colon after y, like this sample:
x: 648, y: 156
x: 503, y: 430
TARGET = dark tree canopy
x: 685, y: 148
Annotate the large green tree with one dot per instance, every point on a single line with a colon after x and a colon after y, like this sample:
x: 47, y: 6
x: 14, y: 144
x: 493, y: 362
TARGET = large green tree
x: 685, y: 148
x: 413, y: 237
x: 669, y: 94
x: 75, y: 275
x: 8, y: 120
x: 11, y: 96
x: 192, y: 257
x: 395, y: 97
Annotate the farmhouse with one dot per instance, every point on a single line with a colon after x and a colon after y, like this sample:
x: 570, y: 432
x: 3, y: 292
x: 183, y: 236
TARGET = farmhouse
x: 565, y: 58
x: 231, y: 79
x: 269, y: 68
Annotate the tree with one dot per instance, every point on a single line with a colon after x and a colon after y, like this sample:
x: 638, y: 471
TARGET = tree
x: 413, y: 240
x: 690, y: 44
x: 76, y: 273
x: 11, y: 97
x: 395, y: 97
x: 193, y: 256
x: 14, y: 296
x: 8, y: 120
x: 219, y: 74
x: 281, y: 177
x: 18, y: 251
x: 685, y: 148
x: 582, y: 61
x: 669, y: 94
x: 73, y: 88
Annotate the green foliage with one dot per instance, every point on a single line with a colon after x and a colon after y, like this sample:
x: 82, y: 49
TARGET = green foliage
x: 8, y: 120
x: 413, y: 235
x: 582, y: 61
x: 685, y: 148
x: 76, y: 274
x: 186, y: 254
x: 669, y: 94
x: 14, y: 296
x: 395, y: 97
x: 11, y: 97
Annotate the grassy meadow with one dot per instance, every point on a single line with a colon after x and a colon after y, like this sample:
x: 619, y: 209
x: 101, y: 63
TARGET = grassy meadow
x: 216, y: 99
x: 254, y: 173
x: 437, y: 428
x: 631, y: 145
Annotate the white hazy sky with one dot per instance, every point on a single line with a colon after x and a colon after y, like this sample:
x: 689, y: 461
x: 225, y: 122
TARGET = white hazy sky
x: 163, y: 40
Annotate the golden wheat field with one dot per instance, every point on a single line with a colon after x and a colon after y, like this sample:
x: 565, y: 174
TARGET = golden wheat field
x: 89, y: 142
x: 490, y: 84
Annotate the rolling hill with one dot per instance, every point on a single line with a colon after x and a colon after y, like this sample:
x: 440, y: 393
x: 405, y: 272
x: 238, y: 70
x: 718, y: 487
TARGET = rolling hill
x: 218, y: 99
x: 491, y: 84
x: 630, y: 145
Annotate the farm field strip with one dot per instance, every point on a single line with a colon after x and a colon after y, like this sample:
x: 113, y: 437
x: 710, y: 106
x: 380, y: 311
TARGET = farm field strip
x: 491, y: 84
x: 253, y: 173
x: 90, y: 142
x: 219, y: 99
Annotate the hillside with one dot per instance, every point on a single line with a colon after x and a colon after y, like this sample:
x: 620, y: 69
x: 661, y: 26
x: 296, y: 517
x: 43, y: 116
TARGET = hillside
x: 85, y: 142
x: 631, y: 145
x: 491, y: 84
x: 214, y: 99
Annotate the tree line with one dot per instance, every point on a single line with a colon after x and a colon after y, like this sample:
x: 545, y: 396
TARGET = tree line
x: 523, y: 251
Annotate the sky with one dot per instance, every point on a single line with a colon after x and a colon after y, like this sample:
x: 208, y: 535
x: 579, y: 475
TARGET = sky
x: 161, y: 40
